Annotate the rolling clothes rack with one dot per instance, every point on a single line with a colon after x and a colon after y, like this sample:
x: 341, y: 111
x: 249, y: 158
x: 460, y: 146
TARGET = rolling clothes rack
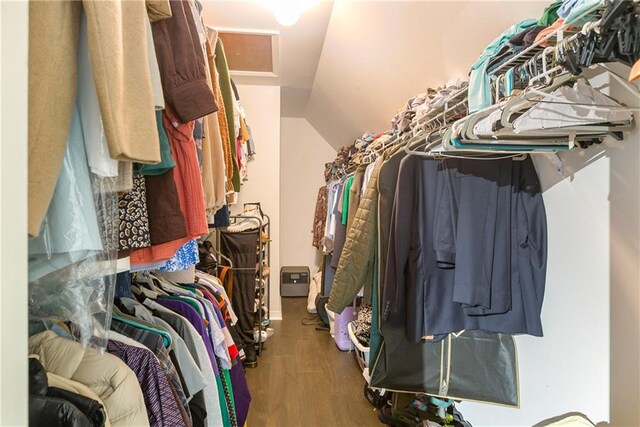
x: 245, y: 248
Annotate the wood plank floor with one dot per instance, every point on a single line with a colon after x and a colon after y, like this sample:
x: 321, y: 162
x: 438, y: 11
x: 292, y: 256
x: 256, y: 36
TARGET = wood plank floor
x: 302, y: 379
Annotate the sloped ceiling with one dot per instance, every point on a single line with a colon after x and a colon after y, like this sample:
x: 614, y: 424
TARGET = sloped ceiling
x: 347, y: 66
x: 377, y: 54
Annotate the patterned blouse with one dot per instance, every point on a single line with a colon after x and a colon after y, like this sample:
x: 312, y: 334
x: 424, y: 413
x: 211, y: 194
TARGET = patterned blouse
x: 320, y: 216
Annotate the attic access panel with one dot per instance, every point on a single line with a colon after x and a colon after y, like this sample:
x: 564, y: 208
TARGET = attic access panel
x: 251, y: 53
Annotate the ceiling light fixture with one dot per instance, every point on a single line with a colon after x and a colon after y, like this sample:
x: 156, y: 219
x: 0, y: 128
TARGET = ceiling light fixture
x: 287, y: 12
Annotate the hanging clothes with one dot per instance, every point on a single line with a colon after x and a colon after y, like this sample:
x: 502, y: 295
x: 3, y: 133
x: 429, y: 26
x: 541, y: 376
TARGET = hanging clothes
x: 424, y: 296
x: 154, y: 68
x: 319, y: 217
x: 153, y: 340
x: 124, y: 181
x: 333, y: 188
x: 340, y: 232
x: 186, y: 257
x: 166, y: 220
x: 192, y: 315
x: 71, y: 232
x: 106, y: 375
x: 241, y: 248
x: 190, y: 374
x: 166, y: 159
x: 125, y: 104
x: 479, y: 86
x: 346, y: 191
x: 205, y: 335
x: 198, y: 130
x: 228, y: 98
x: 161, y: 406
x: 355, y: 267
x: 59, y: 401
x: 387, y: 184
x: 176, y: 360
x: 213, y: 168
x: 183, y: 75
x: 225, y: 132
x: 199, y: 352
x: 133, y: 216
x: 354, y: 193
x: 100, y: 162
x: 189, y: 184
x: 367, y: 177
x: 182, y: 147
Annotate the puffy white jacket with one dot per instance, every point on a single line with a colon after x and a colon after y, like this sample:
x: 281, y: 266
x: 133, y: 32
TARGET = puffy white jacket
x: 104, y: 374
x: 75, y: 387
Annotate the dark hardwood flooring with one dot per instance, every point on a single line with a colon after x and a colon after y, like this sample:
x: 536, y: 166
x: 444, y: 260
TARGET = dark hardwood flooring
x: 302, y: 379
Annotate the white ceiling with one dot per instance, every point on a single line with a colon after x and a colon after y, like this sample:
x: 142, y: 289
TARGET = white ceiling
x: 349, y: 66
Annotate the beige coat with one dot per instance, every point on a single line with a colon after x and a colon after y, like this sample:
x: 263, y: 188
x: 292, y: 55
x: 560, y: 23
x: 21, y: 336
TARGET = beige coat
x: 158, y: 9
x: 117, y: 36
x: 213, y: 134
x: 213, y: 168
x: 104, y: 374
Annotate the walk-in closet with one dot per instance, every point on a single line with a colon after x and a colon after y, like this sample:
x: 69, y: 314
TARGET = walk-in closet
x: 319, y: 213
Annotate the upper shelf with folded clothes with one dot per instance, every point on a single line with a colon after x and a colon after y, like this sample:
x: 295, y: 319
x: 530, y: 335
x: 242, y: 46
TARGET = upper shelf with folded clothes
x: 526, y: 91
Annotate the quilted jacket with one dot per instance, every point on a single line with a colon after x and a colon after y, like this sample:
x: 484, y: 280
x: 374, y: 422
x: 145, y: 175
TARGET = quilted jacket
x: 105, y: 374
x: 77, y: 388
x: 355, y: 268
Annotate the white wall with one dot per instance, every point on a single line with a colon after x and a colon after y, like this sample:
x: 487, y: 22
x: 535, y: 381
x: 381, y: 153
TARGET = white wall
x: 568, y: 369
x: 588, y: 359
x: 302, y: 157
x: 377, y: 54
x: 14, y: 26
x: 625, y: 271
x: 262, y: 105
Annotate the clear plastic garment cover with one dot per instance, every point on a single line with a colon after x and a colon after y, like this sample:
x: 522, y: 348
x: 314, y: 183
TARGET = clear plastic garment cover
x: 72, y: 262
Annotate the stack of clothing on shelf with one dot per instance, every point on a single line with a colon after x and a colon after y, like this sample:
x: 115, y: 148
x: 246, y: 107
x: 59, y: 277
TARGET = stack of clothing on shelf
x: 424, y: 105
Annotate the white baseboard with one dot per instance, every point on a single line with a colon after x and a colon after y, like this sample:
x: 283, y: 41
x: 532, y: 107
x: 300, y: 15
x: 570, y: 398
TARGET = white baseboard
x: 275, y: 314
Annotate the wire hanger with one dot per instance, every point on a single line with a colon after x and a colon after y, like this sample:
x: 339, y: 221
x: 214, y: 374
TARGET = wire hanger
x: 224, y: 257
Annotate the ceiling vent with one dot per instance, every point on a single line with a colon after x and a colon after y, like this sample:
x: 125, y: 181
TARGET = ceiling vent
x: 251, y: 53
